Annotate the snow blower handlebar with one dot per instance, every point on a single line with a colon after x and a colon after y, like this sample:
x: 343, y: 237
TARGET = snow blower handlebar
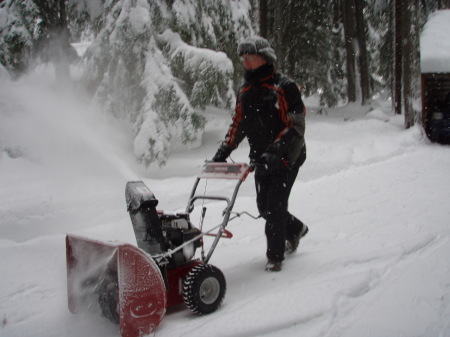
x: 238, y: 171
x: 211, y: 170
x: 234, y: 171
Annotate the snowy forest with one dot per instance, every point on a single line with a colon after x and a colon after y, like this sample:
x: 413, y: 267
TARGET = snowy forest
x: 157, y: 64
x: 95, y: 94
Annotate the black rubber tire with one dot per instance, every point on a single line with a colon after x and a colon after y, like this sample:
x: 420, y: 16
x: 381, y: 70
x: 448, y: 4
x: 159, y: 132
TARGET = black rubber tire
x: 204, y: 289
x: 109, y: 298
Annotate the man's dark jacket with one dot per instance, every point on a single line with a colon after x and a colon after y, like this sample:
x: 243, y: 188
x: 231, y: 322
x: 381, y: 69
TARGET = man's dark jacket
x: 271, y: 113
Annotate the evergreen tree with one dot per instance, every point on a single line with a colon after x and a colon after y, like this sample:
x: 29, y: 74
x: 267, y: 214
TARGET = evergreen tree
x: 154, y: 63
x: 82, y: 19
x: 380, y: 19
x: 18, y: 23
x: 309, y: 51
x: 222, y: 24
x: 32, y: 29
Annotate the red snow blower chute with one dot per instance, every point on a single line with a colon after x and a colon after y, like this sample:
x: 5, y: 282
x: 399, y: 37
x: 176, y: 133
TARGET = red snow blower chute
x: 133, y: 286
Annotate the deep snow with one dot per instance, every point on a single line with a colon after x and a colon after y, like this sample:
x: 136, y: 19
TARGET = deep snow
x: 375, y: 263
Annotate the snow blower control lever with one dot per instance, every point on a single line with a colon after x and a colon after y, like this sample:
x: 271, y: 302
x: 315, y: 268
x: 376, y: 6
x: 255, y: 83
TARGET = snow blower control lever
x: 133, y: 286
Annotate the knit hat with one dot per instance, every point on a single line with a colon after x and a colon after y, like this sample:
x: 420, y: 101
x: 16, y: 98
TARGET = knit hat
x: 257, y: 45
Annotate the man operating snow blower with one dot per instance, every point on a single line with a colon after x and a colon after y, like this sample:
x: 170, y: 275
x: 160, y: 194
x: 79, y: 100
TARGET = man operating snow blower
x: 271, y: 114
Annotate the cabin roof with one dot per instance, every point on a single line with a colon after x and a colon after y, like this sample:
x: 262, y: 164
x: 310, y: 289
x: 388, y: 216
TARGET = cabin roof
x: 435, y: 43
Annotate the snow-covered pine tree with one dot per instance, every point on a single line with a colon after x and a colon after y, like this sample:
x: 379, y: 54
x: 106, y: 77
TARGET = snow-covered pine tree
x: 33, y: 31
x: 18, y: 26
x: 82, y: 15
x: 214, y: 24
x: 206, y: 75
x: 148, y: 64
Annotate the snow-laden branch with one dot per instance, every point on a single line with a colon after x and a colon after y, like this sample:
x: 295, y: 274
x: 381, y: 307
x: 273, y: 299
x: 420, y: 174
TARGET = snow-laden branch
x: 206, y: 75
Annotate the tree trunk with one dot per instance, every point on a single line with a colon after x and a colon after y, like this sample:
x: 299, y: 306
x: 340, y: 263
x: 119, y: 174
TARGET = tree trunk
x: 363, y: 61
x: 417, y: 74
x: 398, y: 57
x: 407, y: 51
x: 391, y: 66
x: 411, y: 62
x: 278, y: 33
x: 263, y: 18
x: 349, y: 32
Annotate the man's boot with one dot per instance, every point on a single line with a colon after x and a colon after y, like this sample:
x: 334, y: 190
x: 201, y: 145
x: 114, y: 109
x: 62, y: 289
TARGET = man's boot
x: 273, y: 265
x: 292, y: 245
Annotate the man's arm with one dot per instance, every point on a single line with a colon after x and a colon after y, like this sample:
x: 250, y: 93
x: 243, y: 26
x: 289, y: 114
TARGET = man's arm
x: 295, y: 121
x: 236, y: 132
x: 234, y: 136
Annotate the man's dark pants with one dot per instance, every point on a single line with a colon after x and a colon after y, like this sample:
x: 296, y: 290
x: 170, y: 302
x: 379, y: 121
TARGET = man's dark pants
x: 272, y: 194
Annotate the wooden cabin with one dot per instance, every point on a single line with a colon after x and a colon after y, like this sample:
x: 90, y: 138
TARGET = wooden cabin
x: 435, y: 66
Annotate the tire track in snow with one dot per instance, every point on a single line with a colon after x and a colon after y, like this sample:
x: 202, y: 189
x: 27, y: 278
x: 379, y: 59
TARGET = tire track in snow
x: 366, y: 274
x: 346, y: 302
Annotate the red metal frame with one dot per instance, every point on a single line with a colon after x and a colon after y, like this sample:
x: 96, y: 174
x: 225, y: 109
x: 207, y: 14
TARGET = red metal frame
x: 226, y: 234
x: 175, y: 282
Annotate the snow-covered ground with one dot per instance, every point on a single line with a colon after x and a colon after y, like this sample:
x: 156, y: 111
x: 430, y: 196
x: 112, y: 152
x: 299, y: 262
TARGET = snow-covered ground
x: 375, y: 197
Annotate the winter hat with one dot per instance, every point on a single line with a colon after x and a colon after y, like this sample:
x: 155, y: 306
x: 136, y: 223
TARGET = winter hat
x: 257, y: 45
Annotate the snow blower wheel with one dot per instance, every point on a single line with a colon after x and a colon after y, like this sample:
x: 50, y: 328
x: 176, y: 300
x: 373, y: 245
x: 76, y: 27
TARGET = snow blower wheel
x: 204, y: 289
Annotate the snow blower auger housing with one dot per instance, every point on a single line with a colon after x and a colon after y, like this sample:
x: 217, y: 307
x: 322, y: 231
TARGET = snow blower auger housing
x: 133, y: 286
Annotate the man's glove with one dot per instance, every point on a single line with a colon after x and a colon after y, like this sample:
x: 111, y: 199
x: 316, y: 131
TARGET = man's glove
x: 222, y: 154
x: 270, y: 161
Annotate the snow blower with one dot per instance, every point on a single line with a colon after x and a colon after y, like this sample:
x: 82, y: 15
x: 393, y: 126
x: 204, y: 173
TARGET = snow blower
x: 133, y: 286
